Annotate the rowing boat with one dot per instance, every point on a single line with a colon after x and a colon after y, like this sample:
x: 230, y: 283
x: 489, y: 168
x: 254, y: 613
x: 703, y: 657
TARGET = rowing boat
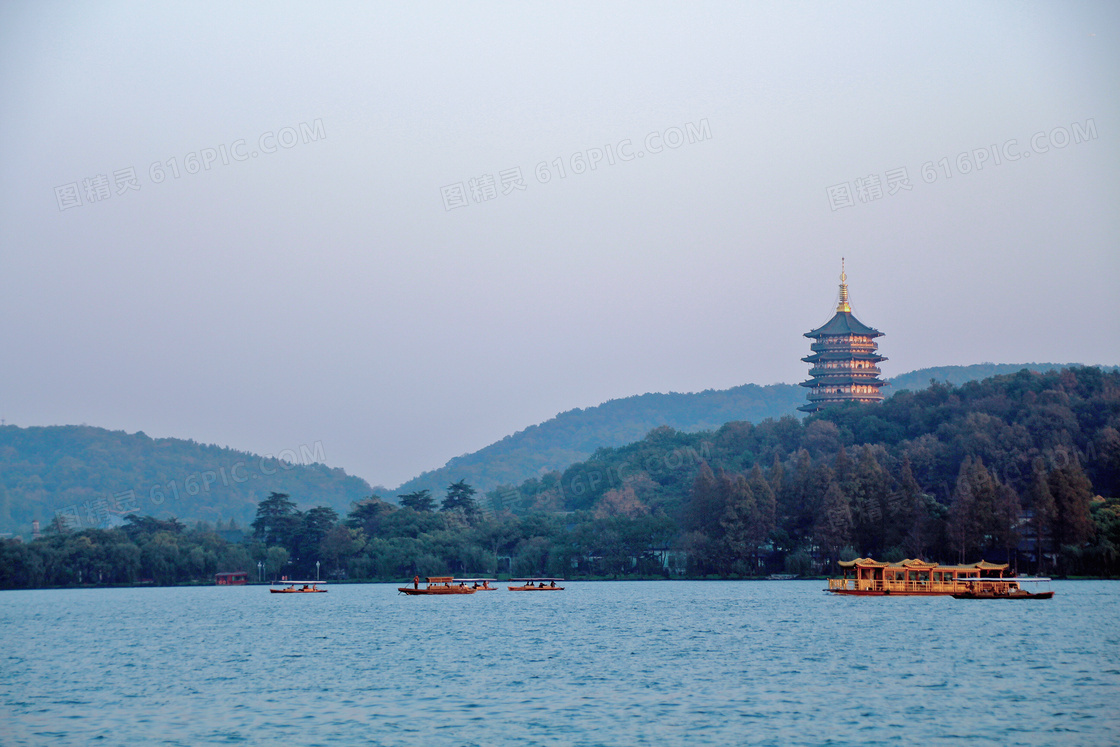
x: 1010, y: 588
x: 300, y: 587
x: 436, y: 585
x: 536, y: 584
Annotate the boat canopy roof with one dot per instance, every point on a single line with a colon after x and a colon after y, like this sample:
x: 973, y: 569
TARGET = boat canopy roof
x: 537, y: 578
x: 871, y: 563
x: 915, y: 564
x: 474, y: 579
x: 439, y: 579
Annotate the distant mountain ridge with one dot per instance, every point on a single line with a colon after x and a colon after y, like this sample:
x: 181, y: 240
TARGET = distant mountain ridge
x: 93, y: 477
x: 574, y: 435
x: 957, y: 375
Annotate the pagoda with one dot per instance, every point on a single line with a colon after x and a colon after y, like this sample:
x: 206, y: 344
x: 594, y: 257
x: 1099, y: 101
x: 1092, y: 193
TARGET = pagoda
x: 844, y: 364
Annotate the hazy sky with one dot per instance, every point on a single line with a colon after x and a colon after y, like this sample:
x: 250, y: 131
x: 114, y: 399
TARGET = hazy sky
x: 347, y: 255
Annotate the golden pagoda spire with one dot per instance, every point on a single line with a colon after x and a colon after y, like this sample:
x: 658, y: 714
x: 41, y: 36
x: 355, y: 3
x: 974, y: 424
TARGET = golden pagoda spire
x: 843, y: 307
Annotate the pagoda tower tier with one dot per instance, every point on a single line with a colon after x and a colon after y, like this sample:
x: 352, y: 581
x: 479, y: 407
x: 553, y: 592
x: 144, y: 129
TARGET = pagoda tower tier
x: 844, y: 363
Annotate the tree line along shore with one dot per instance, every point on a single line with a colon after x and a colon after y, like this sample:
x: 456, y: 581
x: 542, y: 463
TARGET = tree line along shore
x: 1021, y: 468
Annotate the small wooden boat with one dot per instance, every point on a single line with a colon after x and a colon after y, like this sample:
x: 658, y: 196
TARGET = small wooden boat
x: 436, y: 585
x: 300, y: 587
x: 536, y: 584
x: 1012, y: 589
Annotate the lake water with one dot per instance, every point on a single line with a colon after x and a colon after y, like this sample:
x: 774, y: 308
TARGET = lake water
x: 620, y: 663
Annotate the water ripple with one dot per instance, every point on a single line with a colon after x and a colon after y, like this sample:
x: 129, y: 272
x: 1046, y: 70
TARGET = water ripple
x: 619, y: 663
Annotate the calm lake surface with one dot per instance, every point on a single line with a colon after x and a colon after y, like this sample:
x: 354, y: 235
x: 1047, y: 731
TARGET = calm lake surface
x: 683, y: 662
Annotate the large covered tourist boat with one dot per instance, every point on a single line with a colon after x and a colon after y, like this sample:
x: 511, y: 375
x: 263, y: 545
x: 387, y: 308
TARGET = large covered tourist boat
x: 872, y: 578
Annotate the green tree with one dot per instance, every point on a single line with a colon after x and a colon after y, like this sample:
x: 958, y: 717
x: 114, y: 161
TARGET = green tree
x: 965, y: 519
x: 1106, y: 547
x: 803, y: 486
x: 620, y: 502
x: 1041, y: 504
x: 909, y: 519
x: 984, y: 515
x: 1073, y: 494
x: 161, y: 558
x: 765, y: 520
x: 126, y: 559
x: 1105, y: 449
x: 234, y: 558
x: 201, y: 562
x: 738, y: 524
x: 278, y: 520
x: 460, y: 498
x: 314, y: 526
x: 776, y: 475
x: 139, y: 527
x: 340, y: 542
x: 1006, y: 513
x: 834, y: 525
x: 798, y: 563
x: 868, y: 490
x: 275, y: 560
x: 419, y: 500
x: 842, y: 466
x: 705, y: 503
x: 367, y: 515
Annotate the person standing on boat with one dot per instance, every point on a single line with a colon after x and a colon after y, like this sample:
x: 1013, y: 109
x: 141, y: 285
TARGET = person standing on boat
x: 415, y: 582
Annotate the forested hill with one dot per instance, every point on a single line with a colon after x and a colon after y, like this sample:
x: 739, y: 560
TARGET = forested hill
x: 957, y: 375
x: 96, y: 476
x: 574, y: 435
x: 989, y: 469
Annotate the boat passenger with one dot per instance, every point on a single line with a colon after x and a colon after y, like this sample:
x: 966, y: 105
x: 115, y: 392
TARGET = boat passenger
x: 415, y: 582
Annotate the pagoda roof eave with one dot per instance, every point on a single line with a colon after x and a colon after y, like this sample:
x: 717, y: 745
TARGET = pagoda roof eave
x: 844, y: 323
x: 843, y: 357
x: 832, y: 354
x: 829, y: 380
